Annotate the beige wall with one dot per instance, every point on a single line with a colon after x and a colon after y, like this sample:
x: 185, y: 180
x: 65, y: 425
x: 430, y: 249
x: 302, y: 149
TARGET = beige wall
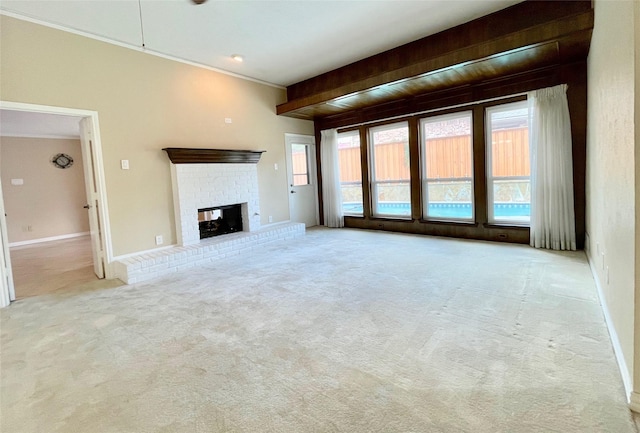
x: 50, y: 200
x: 636, y: 379
x: 611, y: 166
x: 146, y: 103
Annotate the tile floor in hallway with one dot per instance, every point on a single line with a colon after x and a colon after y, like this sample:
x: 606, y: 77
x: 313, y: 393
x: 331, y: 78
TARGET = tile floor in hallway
x: 55, y: 267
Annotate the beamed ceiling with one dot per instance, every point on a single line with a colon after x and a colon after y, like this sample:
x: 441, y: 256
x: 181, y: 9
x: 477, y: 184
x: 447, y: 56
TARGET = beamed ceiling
x: 526, y: 37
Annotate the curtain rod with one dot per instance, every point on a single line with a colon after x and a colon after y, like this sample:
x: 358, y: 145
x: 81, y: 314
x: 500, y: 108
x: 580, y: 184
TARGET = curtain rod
x: 417, y: 113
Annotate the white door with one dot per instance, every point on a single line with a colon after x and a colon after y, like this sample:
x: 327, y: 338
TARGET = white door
x: 88, y: 159
x: 301, y: 172
x: 8, y: 292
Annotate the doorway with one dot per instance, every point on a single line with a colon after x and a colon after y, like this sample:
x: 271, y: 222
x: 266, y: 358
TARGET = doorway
x: 42, y: 121
x: 301, y: 175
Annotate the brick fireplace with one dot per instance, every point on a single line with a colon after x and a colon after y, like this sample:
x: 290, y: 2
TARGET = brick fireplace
x: 208, y: 178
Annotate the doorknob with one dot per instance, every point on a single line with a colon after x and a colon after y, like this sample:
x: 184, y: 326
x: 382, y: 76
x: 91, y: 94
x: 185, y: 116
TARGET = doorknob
x: 293, y: 192
x: 87, y: 206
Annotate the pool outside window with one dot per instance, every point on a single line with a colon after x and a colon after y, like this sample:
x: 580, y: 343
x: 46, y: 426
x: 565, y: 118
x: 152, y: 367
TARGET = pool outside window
x: 508, y: 166
x: 447, y: 167
x: 390, y: 173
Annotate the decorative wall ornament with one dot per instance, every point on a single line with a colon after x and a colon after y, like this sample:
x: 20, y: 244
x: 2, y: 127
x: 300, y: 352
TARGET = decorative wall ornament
x: 62, y: 160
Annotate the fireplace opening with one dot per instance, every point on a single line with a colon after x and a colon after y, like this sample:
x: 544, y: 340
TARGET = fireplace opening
x: 220, y: 220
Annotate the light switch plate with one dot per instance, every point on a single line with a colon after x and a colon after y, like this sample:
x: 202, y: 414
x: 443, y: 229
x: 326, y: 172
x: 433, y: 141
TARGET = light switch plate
x: 124, y: 164
x: 17, y: 181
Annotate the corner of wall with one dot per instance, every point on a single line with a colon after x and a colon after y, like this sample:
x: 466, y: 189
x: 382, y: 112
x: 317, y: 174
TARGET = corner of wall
x: 615, y: 340
x: 634, y: 402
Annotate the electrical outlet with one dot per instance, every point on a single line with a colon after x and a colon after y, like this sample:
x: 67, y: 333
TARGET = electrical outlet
x: 275, y: 166
x: 228, y: 120
x: 124, y: 164
x: 270, y: 218
x: 159, y: 240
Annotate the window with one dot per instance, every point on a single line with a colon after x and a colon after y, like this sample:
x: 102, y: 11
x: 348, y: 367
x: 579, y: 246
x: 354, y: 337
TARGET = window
x: 390, y: 174
x: 508, y: 166
x: 447, y: 167
x: 350, y: 172
x: 300, y: 163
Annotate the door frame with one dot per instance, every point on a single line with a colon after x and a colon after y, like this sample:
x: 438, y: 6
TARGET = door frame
x: 98, y: 167
x: 92, y: 206
x: 8, y: 293
x: 310, y: 140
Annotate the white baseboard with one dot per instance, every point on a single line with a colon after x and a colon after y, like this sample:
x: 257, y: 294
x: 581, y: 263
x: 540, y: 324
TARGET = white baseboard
x: 633, y: 399
x: 137, y: 253
x: 279, y: 223
x: 634, y: 402
x: 49, y: 239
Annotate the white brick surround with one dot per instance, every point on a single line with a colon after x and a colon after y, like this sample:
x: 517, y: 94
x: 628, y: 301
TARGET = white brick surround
x: 198, y: 186
x: 205, y: 185
x: 150, y: 265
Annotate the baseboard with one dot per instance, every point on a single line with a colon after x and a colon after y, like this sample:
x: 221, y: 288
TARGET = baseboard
x: 634, y: 403
x: 633, y: 399
x: 49, y: 239
x: 266, y: 226
x: 137, y: 253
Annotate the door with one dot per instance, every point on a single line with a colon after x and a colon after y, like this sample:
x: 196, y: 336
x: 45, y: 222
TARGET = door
x: 301, y: 172
x: 88, y: 159
x: 8, y: 292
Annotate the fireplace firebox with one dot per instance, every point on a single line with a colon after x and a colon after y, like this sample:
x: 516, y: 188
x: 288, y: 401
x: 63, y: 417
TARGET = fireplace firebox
x: 219, y: 220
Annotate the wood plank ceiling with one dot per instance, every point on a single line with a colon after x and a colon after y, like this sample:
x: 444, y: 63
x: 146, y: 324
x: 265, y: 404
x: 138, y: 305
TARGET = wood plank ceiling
x: 525, y: 37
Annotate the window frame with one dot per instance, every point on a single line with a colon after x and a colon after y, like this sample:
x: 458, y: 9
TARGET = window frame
x: 424, y: 179
x: 490, y: 179
x: 373, y: 183
x: 356, y: 133
x: 307, y: 173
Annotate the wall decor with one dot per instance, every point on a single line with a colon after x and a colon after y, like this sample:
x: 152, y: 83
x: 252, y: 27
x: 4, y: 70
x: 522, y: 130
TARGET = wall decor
x: 62, y: 160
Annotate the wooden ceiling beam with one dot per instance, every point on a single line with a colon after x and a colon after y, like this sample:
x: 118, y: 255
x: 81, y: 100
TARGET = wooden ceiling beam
x: 528, y: 35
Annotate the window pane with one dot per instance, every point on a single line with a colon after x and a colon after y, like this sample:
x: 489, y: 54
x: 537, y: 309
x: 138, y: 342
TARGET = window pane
x: 300, y: 161
x: 510, y: 143
x: 350, y: 172
x: 447, y: 164
x: 390, y: 174
x: 505, y: 208
x: 508, y: 173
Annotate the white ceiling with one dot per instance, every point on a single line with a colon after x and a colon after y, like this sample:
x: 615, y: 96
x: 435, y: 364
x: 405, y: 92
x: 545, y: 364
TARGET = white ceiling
x: 283, y: 42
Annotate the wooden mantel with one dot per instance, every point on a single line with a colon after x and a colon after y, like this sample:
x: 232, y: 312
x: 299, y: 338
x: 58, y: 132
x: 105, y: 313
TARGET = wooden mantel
x: 182, y: 155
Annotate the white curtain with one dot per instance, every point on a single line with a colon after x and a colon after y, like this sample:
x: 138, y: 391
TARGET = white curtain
x: 331, y: 193
x: 552, y: 213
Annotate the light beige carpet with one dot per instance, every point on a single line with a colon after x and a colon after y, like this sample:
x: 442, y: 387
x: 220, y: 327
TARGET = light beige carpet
x: 341, y: 331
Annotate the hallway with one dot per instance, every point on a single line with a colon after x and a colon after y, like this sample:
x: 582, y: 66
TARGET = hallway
x: 55, y: 267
